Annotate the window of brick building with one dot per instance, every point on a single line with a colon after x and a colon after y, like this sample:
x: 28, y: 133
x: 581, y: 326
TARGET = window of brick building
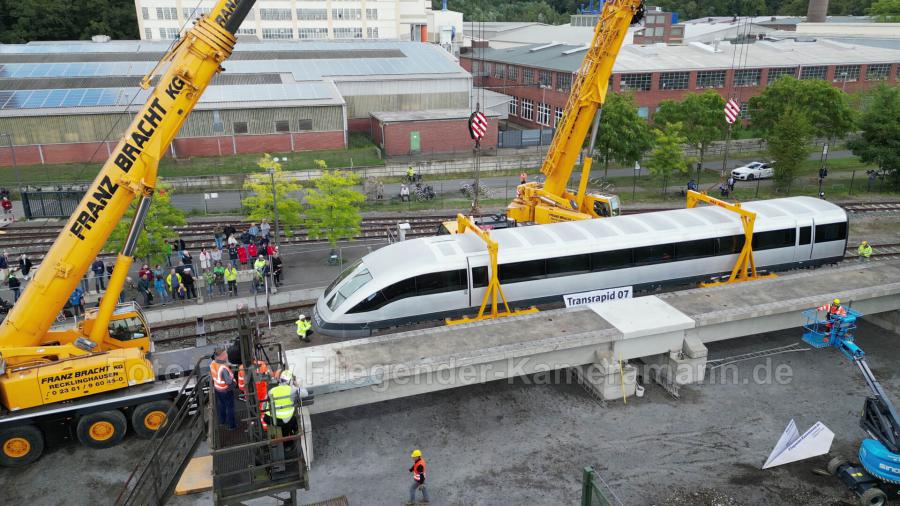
x: 558, y: 117
x: 710, y: 79
x: 514, y: 106
x: 673, y: 80
x: 543, y: 116
x: 527, y: 109
x: 878, y: 72
x: 305, y: 124
x: 813, y: 72
x: 846, y: 73
x: 747, y: 77
x: 512, y: 73
x: 563, y: 81
x: 635, y: 82
x: 240, y: 127
x: 282, y: 126
x: 528, y: 75
x: 778, y: 72
x: 546, y: 78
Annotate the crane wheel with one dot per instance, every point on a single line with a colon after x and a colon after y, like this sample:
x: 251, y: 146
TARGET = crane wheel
x: 873, y: 497
x: 149, y: 417
x: 20, y: 446
x: 102, y: 430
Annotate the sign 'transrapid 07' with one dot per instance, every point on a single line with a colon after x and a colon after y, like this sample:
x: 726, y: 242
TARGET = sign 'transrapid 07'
x: 130, y: 150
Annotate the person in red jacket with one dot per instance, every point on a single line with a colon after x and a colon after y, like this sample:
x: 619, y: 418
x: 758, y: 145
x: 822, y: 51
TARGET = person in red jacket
x: 243, y: 256
x: 418, y: 475
x: 253, y: 250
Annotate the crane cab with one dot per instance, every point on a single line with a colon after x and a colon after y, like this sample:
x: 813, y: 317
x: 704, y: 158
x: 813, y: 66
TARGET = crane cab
x: 602, y: 206
x: 127, y: 327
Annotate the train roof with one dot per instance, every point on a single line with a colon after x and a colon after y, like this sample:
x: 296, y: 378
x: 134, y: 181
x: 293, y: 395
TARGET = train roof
x: 621, y: 231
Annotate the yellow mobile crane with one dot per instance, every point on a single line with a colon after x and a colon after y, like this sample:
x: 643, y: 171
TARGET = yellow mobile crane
x: 82, y: 381
x: 553, y: 202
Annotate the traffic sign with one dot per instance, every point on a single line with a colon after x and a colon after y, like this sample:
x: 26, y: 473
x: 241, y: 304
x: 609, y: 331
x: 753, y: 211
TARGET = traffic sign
x: 732, y: 111
x: 478, y: 125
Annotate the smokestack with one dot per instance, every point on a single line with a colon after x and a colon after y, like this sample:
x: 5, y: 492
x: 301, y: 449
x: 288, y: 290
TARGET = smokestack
x: 817, y: 11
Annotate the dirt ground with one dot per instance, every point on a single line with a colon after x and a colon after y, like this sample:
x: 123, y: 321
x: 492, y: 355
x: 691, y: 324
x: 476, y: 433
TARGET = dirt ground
x: 526, y: 442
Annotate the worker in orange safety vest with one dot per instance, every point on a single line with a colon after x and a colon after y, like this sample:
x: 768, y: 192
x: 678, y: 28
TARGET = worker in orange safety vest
x: 261, y: 367
x: 833, y: 309
x: 418, y: 475
x: 223, y: 384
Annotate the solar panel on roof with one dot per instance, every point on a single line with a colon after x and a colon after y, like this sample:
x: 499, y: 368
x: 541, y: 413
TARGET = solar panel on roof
x: 4, y: 96
x: 56, y: 98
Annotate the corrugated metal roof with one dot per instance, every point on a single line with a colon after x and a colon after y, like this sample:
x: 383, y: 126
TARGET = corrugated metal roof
x: 660, y: 57
x: 65, y: 83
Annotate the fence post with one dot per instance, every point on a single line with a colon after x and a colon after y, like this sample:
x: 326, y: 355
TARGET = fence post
x: 852, y: 177
x: 586, y: 489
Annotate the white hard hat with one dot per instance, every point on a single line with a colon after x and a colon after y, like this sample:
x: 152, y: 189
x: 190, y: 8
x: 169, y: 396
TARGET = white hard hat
x: 286, y: 376
x: 301, y: 316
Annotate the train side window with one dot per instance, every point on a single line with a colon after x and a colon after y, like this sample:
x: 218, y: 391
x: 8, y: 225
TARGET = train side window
x: 609, y: 260
x: 372, y: 302
x: 479, y: 277
x: 695, y: 249
x: 731, y: 245
x: 523, y: 271
x: 565, y: 266
x: 805, y: 235
x: 658, y: 253
x: 400, y: 290
x: 440, y: 282
x: 831, y: 232
x: 774, y: 239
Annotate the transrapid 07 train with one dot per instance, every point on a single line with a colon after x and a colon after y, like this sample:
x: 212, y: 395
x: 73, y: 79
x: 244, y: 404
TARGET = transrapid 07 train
x: 446, y: 275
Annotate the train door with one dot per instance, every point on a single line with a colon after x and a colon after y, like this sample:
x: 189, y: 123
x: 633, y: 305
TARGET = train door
x: 803, y: 251
x: 478, y: 277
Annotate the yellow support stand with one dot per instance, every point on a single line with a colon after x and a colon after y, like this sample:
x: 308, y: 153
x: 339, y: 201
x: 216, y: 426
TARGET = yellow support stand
x: 745, y: 267
x: 494, y: 290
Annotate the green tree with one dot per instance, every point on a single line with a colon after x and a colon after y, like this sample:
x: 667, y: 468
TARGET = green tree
x: 885, y: 11
x: 667, y: 158
x: 333, y: 206
x: 788, y: 146
x: 700, y: 115
x: 157, y: 227
x: 879, y: 142
x: 622, y: 136
x: 260, y: 202
x: 27, y: 20
x: 825, y: 108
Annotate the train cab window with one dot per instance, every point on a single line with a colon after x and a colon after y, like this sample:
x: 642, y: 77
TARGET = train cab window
x: 695, y: 249
x: 350, y: 287
x: 831, y: 232
x: 343, y: 275
x: 774, y: 239
x: 517, y: 272
x: 440, y: 282
x: 127, y: 329
x: 731, y: 245
x: 805, y: 235
x: 654, y: 254
x: 479, y: 277
x: 567, y: 266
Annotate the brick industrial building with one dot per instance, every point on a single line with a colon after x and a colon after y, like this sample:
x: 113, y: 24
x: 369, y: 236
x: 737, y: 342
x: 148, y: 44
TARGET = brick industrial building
x: 70, y: 101
x: 402, y: 133
x: 539, y: 76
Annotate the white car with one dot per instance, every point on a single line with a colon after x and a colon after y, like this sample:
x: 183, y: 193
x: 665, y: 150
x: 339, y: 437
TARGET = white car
x: 753, y: 170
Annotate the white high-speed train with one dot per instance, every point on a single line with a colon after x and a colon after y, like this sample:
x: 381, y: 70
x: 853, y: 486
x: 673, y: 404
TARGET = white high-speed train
x: 435, y: 277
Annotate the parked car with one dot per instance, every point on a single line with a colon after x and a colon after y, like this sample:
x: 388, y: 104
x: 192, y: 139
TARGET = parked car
x: 753, y: 170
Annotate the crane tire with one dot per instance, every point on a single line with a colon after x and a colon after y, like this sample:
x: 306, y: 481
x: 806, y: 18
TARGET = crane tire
x: 20, y: 446
x: 148, y: 418
x: 104, y: 429
x: 873, y: 497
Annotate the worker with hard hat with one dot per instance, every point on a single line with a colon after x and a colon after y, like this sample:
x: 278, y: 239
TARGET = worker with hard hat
x: 223, y: 384
x: 833, y: 309
x: 304, y: 328
x: 282, y: 398
x: 864, y: 251
x: 418, y: 476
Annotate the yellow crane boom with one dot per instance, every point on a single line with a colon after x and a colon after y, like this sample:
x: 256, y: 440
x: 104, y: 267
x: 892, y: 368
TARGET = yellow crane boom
x: 552, y: 201
x: 32, y: 357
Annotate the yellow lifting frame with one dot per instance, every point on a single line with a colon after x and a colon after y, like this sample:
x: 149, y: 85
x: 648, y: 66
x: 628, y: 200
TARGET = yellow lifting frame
x: 494, y: 290
x: 745, y: 267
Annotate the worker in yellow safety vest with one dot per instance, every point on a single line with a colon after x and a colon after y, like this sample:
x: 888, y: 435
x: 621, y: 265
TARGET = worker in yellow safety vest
x: 282, y: 399
x: 304, y: 328
x: 864, y: 250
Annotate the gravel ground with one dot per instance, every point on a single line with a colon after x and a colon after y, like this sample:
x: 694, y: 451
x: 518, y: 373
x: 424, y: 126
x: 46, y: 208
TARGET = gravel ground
x: 526, y: 442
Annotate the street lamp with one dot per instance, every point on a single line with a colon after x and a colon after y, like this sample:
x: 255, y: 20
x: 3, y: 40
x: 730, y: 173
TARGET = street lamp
x: 844, y: 79
x: 271, y: 172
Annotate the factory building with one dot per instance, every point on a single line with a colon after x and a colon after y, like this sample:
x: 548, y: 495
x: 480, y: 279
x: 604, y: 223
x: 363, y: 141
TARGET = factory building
x: 70, y: 101
x: 539, y: 77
